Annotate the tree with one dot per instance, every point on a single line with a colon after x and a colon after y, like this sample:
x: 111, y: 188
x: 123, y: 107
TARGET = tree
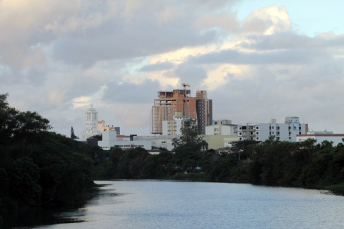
x: 72, y: 135
x: 190, y: 137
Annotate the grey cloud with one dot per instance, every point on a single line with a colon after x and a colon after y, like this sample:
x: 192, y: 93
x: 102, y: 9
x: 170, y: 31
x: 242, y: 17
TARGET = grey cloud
x: 300, y: 56
x: 192, y: 75
x: 131, y: 93
x: 157, y: 67
x: 113, y: 41
x: 29, y: 76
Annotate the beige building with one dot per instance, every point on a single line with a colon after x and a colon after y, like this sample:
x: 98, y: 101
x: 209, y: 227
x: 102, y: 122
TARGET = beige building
x: 102, y: 127
x: 221, y: 135
x: 220, y: 141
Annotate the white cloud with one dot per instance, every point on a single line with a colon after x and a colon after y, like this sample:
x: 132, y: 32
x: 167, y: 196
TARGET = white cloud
x: 58, y: 57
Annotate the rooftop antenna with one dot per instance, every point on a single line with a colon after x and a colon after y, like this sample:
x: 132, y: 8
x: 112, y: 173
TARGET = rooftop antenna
x: 185, y: 85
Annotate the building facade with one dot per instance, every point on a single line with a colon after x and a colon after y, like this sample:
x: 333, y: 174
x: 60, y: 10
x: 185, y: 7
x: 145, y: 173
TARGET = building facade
x: 321, y: 136
x: 91, y: 123
x: 204, y: 110
x: 221, y: 134
x: 286, y: 131
x: 110, y: 139
x: 170, y: 102
x: 180, y: 102
x: 102, y: 127
x: 173, y: 127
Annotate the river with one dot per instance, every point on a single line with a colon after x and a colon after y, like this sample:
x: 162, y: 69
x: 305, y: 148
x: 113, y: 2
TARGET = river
x: 167, y: 204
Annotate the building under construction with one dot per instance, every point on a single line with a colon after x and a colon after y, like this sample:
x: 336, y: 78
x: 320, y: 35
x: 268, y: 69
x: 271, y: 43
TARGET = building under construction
x: 180, y: 102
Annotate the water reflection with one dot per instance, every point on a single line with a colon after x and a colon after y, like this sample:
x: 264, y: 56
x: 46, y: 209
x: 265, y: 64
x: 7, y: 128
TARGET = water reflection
x: 161, y: 204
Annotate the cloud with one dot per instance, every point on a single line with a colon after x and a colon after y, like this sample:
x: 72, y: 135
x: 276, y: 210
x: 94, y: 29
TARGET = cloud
x: 192, y: 75
x: 125, y: 92
x: 58, y: 57
x: 235, y: 57
x: 267, y: 20
x: 157, y: 67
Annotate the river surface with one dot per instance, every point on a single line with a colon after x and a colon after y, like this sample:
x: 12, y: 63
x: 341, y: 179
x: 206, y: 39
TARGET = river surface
x: 167, y: 204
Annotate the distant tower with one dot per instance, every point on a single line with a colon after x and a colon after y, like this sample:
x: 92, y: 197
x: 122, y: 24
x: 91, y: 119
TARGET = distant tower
x: 91, y: 123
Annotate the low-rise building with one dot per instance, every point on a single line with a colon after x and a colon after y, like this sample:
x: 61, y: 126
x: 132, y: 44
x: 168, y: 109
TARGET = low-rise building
x: 110, y: 139
x: 286, y: 131
x: 102, y: 127
x: 321, y: 136
x: 221, y: 134
x: 159, y: 141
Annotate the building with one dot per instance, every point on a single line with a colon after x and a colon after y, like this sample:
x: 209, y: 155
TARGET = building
x: 223, y: 127
x: 286, y: 131
x: 321, y: 136
x: 168, y: 103
x: 91, y: 123
x: 221, y: 134
x: 173, y: 127
x: 159, y: 141
x: 179, y: 101
x: 110, y: 139
x: 204, y: 110
x: 102, y: 127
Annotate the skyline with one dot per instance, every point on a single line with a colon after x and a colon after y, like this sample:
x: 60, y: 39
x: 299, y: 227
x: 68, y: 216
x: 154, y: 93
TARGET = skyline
x: 256, y: 60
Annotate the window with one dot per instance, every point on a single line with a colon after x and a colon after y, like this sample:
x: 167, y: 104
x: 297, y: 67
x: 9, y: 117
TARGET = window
x: 278, y: 128
x: 299, y: 132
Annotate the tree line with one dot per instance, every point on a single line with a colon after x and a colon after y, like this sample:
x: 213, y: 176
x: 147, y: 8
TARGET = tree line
x: 305, y: 164
x: 38, y: 167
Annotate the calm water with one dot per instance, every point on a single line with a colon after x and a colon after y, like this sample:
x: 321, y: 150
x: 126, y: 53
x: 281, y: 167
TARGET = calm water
x: 164, y: 204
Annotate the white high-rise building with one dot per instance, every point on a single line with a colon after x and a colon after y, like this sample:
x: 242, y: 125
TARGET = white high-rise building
x: 286, y: 131
x: 91, y: 123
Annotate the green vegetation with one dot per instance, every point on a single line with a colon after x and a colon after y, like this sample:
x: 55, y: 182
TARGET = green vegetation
x: 276, y: 163
x: 37, y: 167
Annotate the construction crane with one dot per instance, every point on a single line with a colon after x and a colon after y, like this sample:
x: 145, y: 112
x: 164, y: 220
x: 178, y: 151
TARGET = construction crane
x: 185, y: 85
x: 184, y: 101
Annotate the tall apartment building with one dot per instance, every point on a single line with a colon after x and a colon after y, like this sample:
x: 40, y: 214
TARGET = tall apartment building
x: 204, y: 110
x: 170, y: 102
x: 286, y: 131
x: 179, y: 101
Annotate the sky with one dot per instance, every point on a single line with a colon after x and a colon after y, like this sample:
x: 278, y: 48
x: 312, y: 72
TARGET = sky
x: 257, y: 60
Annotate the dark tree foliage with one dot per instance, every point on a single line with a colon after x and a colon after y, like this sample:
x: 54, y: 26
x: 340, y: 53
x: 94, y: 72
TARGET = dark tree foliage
x: 37, y: 167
